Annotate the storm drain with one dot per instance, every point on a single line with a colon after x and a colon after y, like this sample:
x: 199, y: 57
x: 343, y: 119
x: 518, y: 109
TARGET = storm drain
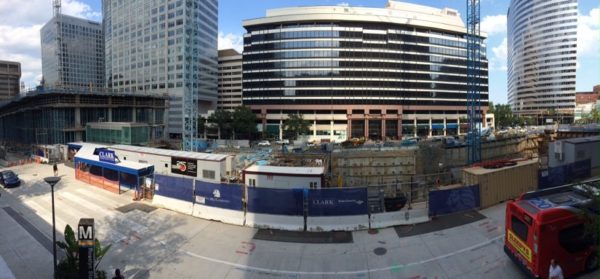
x: 380, y: 251
x: 303, y: 237
x: 139, y: 206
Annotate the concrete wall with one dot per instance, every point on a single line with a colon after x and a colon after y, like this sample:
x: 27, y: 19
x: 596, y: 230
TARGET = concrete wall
x: 282, y: 181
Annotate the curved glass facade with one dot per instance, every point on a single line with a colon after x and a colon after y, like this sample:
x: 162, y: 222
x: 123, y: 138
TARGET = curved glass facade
x: 542, y: 56
x: 355, y: 63
x: 360, y: 72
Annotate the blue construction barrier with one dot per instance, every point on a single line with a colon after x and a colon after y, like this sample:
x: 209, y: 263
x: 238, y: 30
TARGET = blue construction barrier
x: 275, y: 201
x: 565, y: 174
x: 228, y: 196
x: 337, y: 202
x: 174, y: 187
x: 454, y: 200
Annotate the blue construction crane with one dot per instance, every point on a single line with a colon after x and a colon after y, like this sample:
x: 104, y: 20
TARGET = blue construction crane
x: 474, y: 112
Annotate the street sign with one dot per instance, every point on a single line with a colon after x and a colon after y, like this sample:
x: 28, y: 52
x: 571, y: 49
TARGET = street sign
x: 86, y: 237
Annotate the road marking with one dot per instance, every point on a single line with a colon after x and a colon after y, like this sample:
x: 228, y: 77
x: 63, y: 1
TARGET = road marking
x: 5, y: 272
x: 352, y: 272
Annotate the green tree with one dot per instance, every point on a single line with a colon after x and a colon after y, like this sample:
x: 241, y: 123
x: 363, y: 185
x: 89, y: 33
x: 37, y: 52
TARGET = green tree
x: 202, y: 126
x: 243, y: 121
x: 221, y: 118
x: 296, y: 124
x: 491, y: 107
x: 69, y: 267
x: 503, y: 116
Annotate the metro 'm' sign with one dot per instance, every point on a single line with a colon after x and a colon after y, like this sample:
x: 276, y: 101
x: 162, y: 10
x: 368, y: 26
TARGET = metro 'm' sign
x: 85, y: 232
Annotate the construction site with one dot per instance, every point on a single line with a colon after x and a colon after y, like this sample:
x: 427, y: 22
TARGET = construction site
x: 59, y: 116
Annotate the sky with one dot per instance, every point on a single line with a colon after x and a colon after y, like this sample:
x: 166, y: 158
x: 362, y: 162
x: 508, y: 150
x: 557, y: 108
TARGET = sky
x: 20, y: 22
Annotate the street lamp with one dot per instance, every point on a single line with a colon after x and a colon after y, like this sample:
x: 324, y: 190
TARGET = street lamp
x: 53, y: 180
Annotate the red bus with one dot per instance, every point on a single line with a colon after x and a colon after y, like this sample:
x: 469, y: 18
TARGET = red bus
x: 551, y: 224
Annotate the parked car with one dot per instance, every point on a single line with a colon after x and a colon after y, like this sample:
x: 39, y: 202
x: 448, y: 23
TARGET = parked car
x: 284, y: 141
x: 9, y: 179
x: 264, y: 143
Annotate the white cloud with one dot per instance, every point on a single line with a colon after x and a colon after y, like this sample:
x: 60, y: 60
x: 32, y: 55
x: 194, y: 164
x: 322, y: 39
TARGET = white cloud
x: 231, y: 40
x: 20, y: 24
x: 495, y: 24
x: 588, y: 34
x: 498, y: 61
x: 343, y: 4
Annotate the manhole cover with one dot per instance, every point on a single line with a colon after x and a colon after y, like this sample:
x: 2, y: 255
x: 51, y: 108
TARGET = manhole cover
x: 379, y: 251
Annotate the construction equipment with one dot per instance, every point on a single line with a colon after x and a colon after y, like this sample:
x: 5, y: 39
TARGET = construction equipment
x: 473, y: 81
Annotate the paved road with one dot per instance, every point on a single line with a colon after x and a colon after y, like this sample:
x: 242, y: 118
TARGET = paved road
x: 165, y: 244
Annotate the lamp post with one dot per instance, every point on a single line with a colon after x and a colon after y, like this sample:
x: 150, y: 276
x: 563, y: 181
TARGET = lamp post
x: 53, y: 180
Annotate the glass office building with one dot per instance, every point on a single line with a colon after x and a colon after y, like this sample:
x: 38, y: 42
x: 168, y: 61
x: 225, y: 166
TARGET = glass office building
x: 542, y: 57
x: 77, y: 61
x: 379, y: 73
x: 164, y: 47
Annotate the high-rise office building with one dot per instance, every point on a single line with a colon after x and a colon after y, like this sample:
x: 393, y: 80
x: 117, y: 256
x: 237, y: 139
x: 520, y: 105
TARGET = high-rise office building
x: 72, y: 53
x: 166, y: 47
x: 542, y: 57
x: 360, y: 72
x: 230, y: 79
x: 10, y: 74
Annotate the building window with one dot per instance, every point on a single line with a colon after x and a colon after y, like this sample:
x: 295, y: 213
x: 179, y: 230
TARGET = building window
x: 252, y: 182
x: 208, y: 174
x: 313, y: 185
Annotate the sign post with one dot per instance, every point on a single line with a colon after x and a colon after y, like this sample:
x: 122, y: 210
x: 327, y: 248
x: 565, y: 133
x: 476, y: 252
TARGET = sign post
x: 86, y: 237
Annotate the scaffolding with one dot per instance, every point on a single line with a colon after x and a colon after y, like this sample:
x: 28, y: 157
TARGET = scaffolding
x: 56, y: 117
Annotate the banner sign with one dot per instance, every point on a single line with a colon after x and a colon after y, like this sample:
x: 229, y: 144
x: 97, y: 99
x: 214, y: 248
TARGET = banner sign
x: 453, y: 200
x: 337, y: 202
x: 228, y: 196
x: 107, y: 156
x: 174, y: 187
x: 184, y: 166
x: 275, y: 201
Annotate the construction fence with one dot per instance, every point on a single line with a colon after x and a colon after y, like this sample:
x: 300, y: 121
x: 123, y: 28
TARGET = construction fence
x: 309, y: 209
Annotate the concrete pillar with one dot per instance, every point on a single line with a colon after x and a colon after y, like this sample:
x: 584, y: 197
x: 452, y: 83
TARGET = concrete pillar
x: 109, y: 116
x: 134, y: 118
x: 430, y: 127
x: 399, y: 131
x: 281, y: 129
x: 315, y: 128
x: 331, y: 133
x: 383, y: 132
x: 77, y: 117
x: 349, y: 129
x: 445, y: 132
x: 366, y: 130
x: 415, y: 127
x: 458, y: 123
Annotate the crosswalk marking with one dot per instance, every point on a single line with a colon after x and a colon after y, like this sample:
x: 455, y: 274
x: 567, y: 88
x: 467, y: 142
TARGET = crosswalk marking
x: 46, y: 215
x: 107, y: 213
x: 101, y: 199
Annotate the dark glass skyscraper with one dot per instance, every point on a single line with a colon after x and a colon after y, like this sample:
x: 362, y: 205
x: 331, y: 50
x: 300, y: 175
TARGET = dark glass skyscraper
x: 77, y: 59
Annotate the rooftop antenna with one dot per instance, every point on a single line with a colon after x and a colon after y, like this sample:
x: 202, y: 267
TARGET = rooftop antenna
x: 57, y: 19
x: 56, y: 5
